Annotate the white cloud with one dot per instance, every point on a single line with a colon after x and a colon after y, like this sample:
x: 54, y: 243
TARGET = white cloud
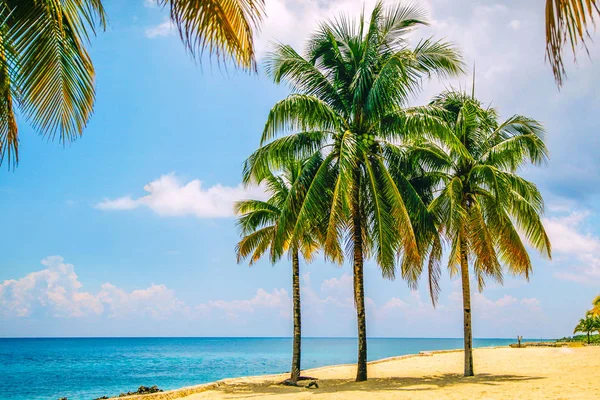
x: 577, y: 249
x: 291, y: 21
x: 341, y: 285
x: 278, y: 299
x: 57, y: 292
x: 515, y: 24
x: 565, y: 235
x: 169, y: 196
x: 165, y: 28
x: 55, y: 288
x: 156, y: 301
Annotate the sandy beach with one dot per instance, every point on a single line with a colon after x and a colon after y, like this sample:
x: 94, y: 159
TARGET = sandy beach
x: 501, y: 373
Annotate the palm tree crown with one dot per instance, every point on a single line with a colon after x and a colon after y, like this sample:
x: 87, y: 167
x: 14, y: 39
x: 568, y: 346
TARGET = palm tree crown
x: 259, y: 220
x: 345, y: 117
x: 484, y: 204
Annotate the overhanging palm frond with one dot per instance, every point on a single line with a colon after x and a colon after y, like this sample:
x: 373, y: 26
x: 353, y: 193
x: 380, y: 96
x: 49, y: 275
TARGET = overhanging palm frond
x: 9, y: 139
x: 46, y: 70
x: 223, y: 27
x: 567, y: 21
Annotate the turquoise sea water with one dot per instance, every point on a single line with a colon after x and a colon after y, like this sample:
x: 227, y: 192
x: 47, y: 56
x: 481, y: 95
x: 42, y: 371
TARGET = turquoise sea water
x: 86, y: 368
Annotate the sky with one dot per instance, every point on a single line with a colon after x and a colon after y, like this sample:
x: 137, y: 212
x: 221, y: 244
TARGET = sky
x: 130, y: 231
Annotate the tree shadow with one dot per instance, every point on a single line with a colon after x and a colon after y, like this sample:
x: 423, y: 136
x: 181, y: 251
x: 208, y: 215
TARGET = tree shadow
x: 246, y: 390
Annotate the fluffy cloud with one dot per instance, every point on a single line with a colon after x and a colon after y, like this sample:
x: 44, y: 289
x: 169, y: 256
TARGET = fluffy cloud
x: 55, y: 289
x: 278, y: 300
x: 577, y: 248
x: 57, y: 292
x: 169, y: 196
x: 165, y: 28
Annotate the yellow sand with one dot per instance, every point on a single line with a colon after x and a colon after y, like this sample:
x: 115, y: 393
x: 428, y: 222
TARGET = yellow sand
x: 501, y: 373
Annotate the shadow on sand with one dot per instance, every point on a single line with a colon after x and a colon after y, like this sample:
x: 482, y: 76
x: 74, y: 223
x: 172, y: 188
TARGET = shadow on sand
x: 380, y: 384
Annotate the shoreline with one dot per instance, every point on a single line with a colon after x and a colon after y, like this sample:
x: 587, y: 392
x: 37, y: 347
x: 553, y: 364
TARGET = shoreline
x: 203, y: 387
x: 500, y: 370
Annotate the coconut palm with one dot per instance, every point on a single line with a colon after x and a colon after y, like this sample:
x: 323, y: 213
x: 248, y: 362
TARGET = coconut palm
x: 345, y: 116
x: 47, y: 76
x: 484, y: 206
x: 567, y: 21
x: 258, y: 223
x: 588, y: 325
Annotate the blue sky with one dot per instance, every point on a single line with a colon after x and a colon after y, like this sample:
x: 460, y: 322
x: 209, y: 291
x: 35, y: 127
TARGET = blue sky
x: 129, y: 232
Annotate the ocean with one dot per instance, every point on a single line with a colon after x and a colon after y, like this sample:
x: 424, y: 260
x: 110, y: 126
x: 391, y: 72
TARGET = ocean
x: 87, y: 368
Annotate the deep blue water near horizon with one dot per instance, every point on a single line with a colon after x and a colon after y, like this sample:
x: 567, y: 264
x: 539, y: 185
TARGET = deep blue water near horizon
x: 87, y: 368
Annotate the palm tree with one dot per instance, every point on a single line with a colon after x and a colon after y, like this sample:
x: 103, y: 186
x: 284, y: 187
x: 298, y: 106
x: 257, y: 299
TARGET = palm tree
x: 258, y: 223
x: 484, y: 206
x: 595, y: 311
x: 567, y: 21
x: 46, y: 73
x: 588, y: 325
x: 345, y: 116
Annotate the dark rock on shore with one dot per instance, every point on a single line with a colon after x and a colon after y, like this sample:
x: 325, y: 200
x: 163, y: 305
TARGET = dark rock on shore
x: 141, y: 390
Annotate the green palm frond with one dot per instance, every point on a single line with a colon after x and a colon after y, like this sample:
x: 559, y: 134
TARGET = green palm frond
x: 300, y: 112
x: 484, y: 204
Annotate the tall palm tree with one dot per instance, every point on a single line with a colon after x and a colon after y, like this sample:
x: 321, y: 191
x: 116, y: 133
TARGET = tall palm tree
x: 345, y: 116
x: 588, y: 325
x: 567, y: 21
x: 484, y: 206
x: 47, y: 76
x: 258, y: 223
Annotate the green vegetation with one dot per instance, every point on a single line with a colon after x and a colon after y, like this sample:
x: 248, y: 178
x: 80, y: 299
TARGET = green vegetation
x: 582, y: 338
x: 389, y: 182
x: 588, y: 325
x: 344, y: 118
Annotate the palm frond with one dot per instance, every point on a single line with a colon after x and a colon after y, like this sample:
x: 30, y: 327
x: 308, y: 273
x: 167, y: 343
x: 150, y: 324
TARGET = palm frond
x: 225, y: 28
x: 567, y: 21
x: 49, y: 72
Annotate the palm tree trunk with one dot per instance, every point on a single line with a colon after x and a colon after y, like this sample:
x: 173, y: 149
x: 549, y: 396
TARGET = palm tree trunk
x: 297, y: 318
x: 466, y: 289
x: 359, y: 289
